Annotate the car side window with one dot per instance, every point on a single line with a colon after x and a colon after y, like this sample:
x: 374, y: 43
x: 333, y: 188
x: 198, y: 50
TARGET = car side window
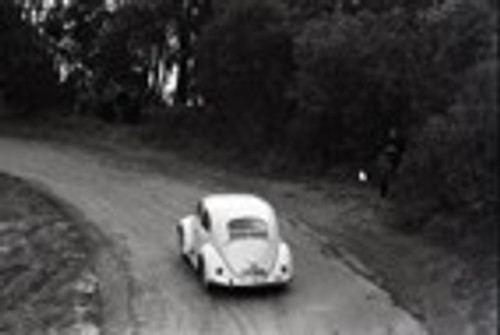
x: 202, y: 214
x: 205, y: 220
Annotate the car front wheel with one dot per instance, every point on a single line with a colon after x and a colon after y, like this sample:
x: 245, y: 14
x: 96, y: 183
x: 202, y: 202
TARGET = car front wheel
x: 180, y: 238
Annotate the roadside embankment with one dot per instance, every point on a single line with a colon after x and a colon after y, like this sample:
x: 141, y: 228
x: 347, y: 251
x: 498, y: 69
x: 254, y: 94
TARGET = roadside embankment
x: 47, y: 280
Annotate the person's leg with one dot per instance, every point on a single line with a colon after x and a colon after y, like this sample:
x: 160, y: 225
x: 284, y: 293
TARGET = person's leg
x: 384, y: 184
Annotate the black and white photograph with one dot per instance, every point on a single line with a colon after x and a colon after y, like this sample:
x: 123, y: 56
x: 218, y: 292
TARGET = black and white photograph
x: 249, y: 167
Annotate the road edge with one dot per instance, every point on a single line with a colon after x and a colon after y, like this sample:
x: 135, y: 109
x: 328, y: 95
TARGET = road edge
x: 110, y: 263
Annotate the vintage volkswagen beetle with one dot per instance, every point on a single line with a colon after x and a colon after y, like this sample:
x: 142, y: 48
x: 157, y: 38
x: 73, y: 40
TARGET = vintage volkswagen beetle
x: 234, y: 240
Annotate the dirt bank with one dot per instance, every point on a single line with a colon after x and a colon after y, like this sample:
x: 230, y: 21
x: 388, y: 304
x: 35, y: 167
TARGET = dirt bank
x: 46, y: 264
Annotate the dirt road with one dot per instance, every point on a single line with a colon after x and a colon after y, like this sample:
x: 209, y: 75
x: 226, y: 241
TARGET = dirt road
x: 136, y: 208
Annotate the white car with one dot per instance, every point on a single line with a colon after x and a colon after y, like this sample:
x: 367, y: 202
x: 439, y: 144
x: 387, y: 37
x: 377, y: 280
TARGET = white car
x: 234, y: 240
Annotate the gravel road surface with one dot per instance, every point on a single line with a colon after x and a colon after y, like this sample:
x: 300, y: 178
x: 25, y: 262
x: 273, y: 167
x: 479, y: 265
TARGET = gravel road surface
x: 153, y: 292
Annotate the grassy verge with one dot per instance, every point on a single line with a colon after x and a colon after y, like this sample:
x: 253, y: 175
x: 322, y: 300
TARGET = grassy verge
x: 163, y: 134
x: 45, y: 264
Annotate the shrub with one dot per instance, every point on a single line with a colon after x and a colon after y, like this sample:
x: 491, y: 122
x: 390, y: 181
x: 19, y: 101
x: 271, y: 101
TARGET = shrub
x: 327, y: 84
x: 30, y: 81
x: 244, y: 67
x: 359, y: 76
x: 452, y: 168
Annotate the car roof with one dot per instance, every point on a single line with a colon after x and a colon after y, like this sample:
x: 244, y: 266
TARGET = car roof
x: 223, y: 208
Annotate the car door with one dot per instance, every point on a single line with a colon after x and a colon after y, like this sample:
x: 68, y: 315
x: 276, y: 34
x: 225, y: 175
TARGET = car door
x: 202, y: 231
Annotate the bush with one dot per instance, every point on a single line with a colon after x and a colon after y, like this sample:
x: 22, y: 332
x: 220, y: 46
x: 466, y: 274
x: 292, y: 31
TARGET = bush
x: 452, y: 168
x: 244, y: 67
x: 30, y: 81
x: 359, y: 76
x: 327, y: 84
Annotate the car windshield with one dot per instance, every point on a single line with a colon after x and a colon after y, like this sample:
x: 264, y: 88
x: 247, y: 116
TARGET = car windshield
x: 247, y: 228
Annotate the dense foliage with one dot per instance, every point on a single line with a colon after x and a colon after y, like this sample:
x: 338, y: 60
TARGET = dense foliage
x: 245, y: 65
x: 360, y: 76
x: 27, y: 76
x: 452, y: 167
x: 322, y: 82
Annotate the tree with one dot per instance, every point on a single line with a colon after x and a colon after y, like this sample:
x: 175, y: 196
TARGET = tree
x: 245, y: 66
x: 360, y: 76
x: 127, y: 52
x: 191, y: 16
x: 453, y: 166
x: 29, y: 79
x: 72, y: 29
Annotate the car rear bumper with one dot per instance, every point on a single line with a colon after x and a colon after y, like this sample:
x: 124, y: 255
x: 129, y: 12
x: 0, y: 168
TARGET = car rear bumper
x: 251, y: 281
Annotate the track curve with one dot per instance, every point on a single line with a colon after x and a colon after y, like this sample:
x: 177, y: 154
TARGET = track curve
x: 137, y: 209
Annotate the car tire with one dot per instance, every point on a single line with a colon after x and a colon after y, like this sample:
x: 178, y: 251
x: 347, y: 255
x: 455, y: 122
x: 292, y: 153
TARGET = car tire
x: 180, y: 238
x: 202, y: 273
x: 284, y: 287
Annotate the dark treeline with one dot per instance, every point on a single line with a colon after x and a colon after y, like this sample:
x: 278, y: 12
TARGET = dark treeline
x: 313, y: 84
x: 24, y: 61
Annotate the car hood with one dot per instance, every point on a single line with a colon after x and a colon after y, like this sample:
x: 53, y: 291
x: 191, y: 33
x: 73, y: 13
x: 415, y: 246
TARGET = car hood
x: 245, y: 256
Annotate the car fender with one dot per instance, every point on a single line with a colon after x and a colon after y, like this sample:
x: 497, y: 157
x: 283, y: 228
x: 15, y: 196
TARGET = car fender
x: 284, y: 258
x: 212, y: 261
x: 185, y: 231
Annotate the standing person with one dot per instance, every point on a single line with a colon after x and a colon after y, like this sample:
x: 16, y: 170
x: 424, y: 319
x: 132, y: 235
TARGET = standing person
x: 389, y: 160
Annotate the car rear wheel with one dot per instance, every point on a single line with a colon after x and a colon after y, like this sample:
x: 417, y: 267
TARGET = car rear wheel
x: 202, y: 273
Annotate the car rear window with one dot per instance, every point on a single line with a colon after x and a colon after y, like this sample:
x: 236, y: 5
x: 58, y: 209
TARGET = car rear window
x: 247, y: 228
